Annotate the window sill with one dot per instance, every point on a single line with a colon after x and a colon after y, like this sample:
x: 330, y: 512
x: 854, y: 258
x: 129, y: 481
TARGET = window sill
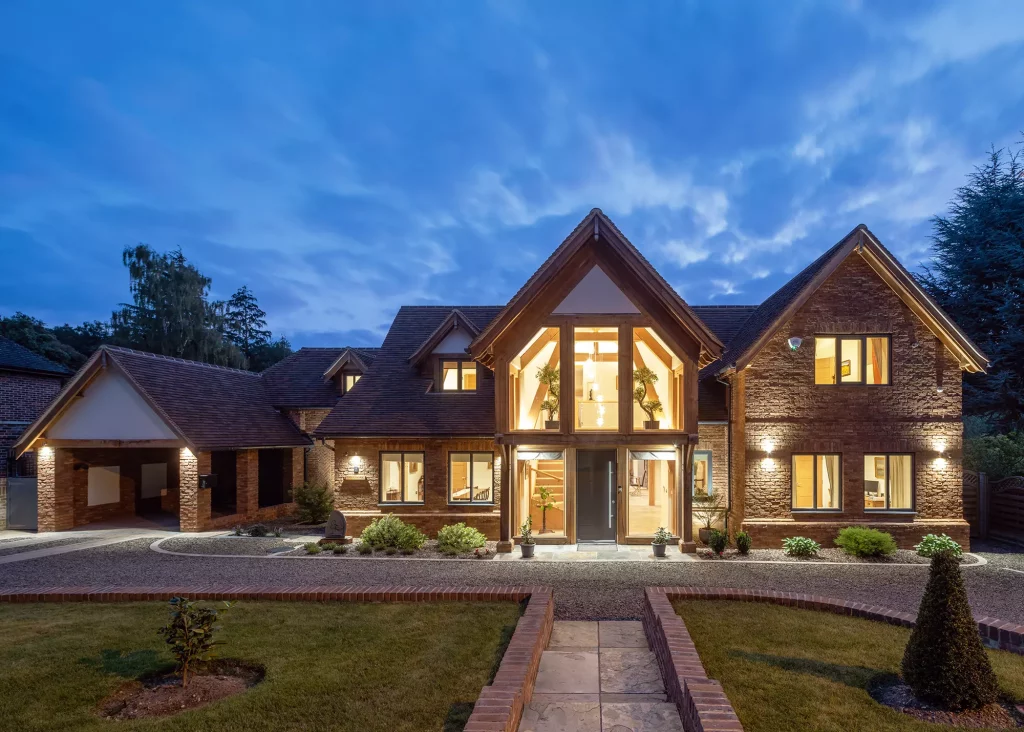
x: 476, y: 504
x: 891, y: 511
x: 401, y: 503
x: 804, y: 511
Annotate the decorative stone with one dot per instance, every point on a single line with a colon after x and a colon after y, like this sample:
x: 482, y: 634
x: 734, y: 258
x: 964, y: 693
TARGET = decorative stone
x: 336, y: 526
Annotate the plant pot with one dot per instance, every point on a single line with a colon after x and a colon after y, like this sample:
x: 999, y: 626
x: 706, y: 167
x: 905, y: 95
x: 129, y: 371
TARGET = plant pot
x: 552, y: 424
x: 705, y: 536
x: 527, y: 550
x: 659, y: 549
x: 652, y: 424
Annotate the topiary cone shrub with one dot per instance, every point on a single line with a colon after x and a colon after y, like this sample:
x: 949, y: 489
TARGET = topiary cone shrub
x: 945, y: 662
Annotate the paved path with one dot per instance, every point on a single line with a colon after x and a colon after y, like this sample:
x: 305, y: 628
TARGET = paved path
x: 599, y: 676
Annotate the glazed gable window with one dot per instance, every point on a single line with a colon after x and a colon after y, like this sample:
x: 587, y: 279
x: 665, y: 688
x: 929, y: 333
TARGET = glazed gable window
x: 817, y: 481
x: 853, y: 359
x: 458, y: 376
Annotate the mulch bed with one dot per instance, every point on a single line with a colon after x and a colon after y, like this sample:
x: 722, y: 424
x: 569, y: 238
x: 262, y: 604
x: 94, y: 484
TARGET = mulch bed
x: 163, y: 696
x: 428, y: 551
x: 895, y: 694
x: 902, y: 556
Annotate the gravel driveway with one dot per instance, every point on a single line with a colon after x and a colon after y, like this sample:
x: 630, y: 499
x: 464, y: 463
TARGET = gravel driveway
x: 582, y: 591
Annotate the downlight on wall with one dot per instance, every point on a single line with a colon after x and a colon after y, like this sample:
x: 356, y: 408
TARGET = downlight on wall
x: 940, y: 447
x: 768, y: 463
x: 357, y: 463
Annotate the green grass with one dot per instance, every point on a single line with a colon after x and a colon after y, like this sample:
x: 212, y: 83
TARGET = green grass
x: 802, y: 670
x: 341, y: 666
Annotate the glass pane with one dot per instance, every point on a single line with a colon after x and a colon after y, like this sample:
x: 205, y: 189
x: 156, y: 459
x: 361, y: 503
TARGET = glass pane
x: 414, y: 477
x: 901, y: 481
x: 849, y: 361
x: 449, y: 375
x: 391, y: 477
x: 824, y: 360
x: 701, y: 475
x: 828, y: 481
x: 468, y: 375
x: 875, y: 481
x: 651, y: 496
x: 657, y: 374
x: 460, y: 462
x: 350, y: 380
x: 803, y: 481
x: 878, y: 361
x: 596, y: 353
x: 534, y: 382
x: 540, y: 494
x: 483, y: 476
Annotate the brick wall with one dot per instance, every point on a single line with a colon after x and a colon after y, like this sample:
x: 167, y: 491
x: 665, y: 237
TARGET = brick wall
x: 358, y: 495
x: 320, y: 457
x: 784, y: 406
x: 715, y: 437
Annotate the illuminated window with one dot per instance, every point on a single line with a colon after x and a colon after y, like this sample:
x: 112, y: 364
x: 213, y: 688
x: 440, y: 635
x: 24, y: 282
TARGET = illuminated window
x: 470, y: 477
x: 816, y: 482
x: 540, y: 491
x: 458, y: 376
x: 596, y: 355
x: 851, y: 360
x: 888, y: 482
x: 657, y: 380
x: 401, y: 477
x: 350, y: 381
x: 652, y: 493
x: 534, y: 383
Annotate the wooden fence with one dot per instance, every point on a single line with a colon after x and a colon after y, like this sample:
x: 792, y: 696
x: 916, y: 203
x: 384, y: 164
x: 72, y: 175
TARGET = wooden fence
x: 994, y: 509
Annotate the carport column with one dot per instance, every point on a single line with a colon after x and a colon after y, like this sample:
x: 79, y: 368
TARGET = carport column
x: 46, y: 489
x: 247, y: 482
x: 194, y: 504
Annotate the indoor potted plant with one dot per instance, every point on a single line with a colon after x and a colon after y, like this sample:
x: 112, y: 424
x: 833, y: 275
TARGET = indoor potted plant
x: 547, y: 375
x: 544, y: 502
x: 526, y: 542
x: 706, y: 509
x: 644, y: 377
x: 661, y: 539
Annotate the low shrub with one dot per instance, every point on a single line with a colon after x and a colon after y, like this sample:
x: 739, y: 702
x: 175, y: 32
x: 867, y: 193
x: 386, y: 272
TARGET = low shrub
x: 328, y: 546
x: 459, y: 539
x: 932, y: 544
x: 800, y: 546
x: 406, y: 551
x: 190, y: 634
x: 341, y: 549
x: 364, y: 549
x: 861, y: 542
x: 662, y: 536
x: 391, y: 551
x: 259, y: 530
x: 718, y: 541
x: 313, y: 502
x: 743, y: 542
x: 391, y: 531
x: 238, y: 530
x: 313, y: 548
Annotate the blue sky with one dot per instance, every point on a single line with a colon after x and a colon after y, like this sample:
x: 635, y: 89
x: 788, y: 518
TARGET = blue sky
x: 343, y: 159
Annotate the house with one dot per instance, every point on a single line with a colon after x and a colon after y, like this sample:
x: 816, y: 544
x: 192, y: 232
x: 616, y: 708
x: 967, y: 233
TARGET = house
x: 27, y: 384
x: 837, y: 401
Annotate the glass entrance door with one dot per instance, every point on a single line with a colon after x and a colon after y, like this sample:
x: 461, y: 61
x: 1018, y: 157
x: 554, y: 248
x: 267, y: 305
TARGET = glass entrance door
x: 596, y: 495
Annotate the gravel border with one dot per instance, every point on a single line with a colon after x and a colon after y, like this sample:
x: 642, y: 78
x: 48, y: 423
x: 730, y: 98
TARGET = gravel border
x: 6, y: 551
x: 902, y: 558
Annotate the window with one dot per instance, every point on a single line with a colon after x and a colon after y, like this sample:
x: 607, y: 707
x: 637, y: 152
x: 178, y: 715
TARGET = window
x: 458, y: 376
x: 861, y: 360
x: 540, y: 491
x: 657, y: 380
x: 816, y: 482
x: 470, y: 477
x: 596, y: 355
x: 888, y: 482
x: 533, y: 383
x: 401, y: 477
x: 350, y: 381
x: 702, y: 474
x: 652, y: 481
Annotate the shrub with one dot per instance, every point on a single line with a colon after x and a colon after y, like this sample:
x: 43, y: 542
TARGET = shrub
x: 718, y: 541
x: 328, y: 546
x: 259, y: 530
x: 238, y: 530
x: 459, y: 539
x: 662, y: 536
x: 743, y: 542
x: 391, y: 531
x: 391, y: 551
x: 364, y: 549
x: 932, y: 544
x: 313, y: 548
x: 190, y: 634
x: 341, y: 549
x: 405, y: 551
x: 800, y: 546
x: 862, y: 542
x: 314, y: 502
x: 944, y: 662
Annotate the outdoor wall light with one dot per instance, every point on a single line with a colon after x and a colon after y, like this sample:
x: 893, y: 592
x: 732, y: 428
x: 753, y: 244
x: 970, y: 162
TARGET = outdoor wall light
x: 794, y: 343
x: 357, y: 463
x: 940, y: 446
x: 45, y: 451
x: 768, y: 446
x: 186, y: 453
x: 940, y: 463
x: 768, y: 465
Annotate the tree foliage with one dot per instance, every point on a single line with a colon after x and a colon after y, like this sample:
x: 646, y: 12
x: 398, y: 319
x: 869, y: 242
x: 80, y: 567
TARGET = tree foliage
x: 977, y: 276
x: 33, y: 334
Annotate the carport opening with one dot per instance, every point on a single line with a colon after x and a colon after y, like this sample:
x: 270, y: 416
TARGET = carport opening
x: 273, y: 467
x: 224, y: 495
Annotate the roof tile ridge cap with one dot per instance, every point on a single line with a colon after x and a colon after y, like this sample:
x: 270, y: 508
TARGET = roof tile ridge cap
x: 176, y: 359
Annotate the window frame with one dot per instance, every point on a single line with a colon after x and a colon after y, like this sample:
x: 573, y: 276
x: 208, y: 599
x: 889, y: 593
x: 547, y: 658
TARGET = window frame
x: 888, y: 472
x: 711, y: 485
x: 814, y: 488
x: 863, y: 338
x: 401, y: 486
x: 345, y: 376
x: 458, y: 377
x: 472, y: 455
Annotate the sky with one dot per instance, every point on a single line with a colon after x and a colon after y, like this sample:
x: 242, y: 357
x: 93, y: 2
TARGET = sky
x: 343, y: 159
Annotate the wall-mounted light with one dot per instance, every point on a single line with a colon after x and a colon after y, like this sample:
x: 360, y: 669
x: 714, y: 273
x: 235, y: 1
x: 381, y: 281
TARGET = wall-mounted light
x: 357, y: 464
x: 768, y: 446
x: 939, y: 389
x: 794, y: 343
x: 45, y: 451
x: 186, y: 453
x: 940, y: 445
x: 768, y: 465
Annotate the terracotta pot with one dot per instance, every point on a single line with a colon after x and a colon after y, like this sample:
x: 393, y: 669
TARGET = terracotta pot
x: 652, y: 424
x: 705, y: 536
x: 552, y: 424
x: 527, y: 550
x: 659, y: 549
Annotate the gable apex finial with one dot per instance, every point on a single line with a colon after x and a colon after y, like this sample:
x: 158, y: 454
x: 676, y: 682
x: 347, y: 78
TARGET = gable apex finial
x: 597, y: 227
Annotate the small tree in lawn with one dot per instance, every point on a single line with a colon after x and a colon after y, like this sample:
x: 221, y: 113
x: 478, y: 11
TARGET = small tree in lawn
x: 189, y: 632
x: 643, y: 378
x: 945, y: 662
x: 544, y: 502
x: 548, y: 376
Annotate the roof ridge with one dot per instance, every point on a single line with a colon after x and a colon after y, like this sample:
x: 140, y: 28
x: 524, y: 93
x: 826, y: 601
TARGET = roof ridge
x: 174, y: 359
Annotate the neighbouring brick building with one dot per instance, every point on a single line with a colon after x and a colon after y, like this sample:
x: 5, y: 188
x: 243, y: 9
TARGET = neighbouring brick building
x: 596, y: 404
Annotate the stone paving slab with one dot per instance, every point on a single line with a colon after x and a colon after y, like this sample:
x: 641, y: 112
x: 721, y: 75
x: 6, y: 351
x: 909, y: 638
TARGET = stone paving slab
x: 573, y: 634
x: 630, y: 671
x: 568, y: 672
x: 561, y: 716
x: 622, y: 634
x: 644, y: 717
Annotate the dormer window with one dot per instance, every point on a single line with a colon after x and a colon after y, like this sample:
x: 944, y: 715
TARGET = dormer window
x: 458, y: 375
x: 350, y: 381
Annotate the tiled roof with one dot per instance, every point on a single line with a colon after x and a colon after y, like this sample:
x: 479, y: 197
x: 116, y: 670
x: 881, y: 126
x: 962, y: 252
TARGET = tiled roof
x: 298, y: 380
x: 393, y: 399
x: 15, y: 356
x: 211, y: 406
x: 725, y: 321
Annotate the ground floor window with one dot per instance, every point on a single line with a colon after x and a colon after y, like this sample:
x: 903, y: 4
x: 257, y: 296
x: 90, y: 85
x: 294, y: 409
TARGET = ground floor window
x: 540, y: 491
x: 702, y: 474
x: 652, y: 493
x: 470, y: 477
x: 888, y: 482
x: 401, y: 477
x: 816, y: 482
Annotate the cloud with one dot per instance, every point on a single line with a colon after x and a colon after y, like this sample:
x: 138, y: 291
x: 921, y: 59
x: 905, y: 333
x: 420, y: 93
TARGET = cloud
x: 684, y: 253
x: 723, y: 287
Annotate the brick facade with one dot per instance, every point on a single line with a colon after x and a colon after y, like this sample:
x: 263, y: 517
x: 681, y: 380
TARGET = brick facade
x: 782, y: 405
x: 319, y: 457
x: 714, y: 438
x: 358, y: 495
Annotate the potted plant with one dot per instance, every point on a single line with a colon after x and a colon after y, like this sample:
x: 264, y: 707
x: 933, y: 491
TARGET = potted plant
x: 526, y: 542
x: 661, y: 539
x: 547, y: 375
x: 707, y: 509
x: 544, y: 502
x: 644, y: 377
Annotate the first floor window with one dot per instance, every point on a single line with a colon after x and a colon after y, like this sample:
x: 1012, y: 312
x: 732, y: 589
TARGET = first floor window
x: 471, y: 477
x: 816, y: 482
x: 853, y: 359
x: 888, y: 482
x: 458, y: 376
x: 401, y: 477
x: 350, y: 381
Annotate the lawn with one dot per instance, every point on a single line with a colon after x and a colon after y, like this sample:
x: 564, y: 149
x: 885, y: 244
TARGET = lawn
x: 341, y: 666
x: 804, y: 670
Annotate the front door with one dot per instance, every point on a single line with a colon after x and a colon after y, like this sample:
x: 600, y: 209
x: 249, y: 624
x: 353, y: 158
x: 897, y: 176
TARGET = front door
x: 596, y: 495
